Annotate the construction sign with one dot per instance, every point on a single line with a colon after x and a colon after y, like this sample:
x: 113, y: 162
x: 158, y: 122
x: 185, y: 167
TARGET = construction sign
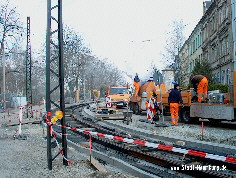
x: 108, y: 101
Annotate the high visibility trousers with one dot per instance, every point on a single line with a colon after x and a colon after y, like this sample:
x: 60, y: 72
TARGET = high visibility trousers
x: 146, y: 104
x: 174, y: 111
x: 136, y: 85
x: 202, y: 90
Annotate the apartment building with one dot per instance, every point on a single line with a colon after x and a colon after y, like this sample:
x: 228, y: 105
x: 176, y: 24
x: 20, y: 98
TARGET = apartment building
x: 217, y: 40
x: 210, y: 41
x: 190, y: 54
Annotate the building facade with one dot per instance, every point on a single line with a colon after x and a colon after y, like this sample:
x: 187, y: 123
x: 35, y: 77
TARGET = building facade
x: 190, y: 54
x: 184, y: 62
x: 217, y: 40
x: 210, y: 41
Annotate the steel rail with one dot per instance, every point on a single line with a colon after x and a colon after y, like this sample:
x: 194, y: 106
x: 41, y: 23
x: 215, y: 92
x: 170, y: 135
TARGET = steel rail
x: 167, y: 163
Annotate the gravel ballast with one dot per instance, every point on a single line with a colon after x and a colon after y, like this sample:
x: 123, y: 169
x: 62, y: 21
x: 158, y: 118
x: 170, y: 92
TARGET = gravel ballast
x: 28, y: 158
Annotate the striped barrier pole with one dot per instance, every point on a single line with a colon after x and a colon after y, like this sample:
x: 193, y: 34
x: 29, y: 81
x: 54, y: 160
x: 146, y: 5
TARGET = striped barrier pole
x: 20, y: 119
x: 202, y: 130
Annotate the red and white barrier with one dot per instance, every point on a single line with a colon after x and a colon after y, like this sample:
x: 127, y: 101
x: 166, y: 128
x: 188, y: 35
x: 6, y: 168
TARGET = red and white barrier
x: 150, y: 111
x: 60, y: 148
x: 155, y: 145
x: 20, y: 119
x: 108, y: 101
x: 24, y: 112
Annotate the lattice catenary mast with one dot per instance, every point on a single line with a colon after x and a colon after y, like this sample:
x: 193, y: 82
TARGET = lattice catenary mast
x: 28, y: 73
x: 55, y: 66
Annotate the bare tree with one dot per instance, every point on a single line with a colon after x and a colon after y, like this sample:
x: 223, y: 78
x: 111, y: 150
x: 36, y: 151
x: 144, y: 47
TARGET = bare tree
x: 10, y: 28
x: 174, y: 42
x: 10, y: 24
x: 81, y: 67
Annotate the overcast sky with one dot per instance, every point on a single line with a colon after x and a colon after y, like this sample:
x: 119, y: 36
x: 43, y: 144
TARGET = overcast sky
x: 130, y: 33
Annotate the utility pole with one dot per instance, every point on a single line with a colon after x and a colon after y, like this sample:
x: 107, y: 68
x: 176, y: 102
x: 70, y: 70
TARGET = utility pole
x: 4, y: 77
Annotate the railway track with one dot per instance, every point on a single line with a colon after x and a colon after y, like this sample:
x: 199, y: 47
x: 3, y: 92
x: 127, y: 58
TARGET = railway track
x: 159, y: 162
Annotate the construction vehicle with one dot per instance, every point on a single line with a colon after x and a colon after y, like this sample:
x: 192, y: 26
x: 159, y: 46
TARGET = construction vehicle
x: 218, y: 107
x: 137, y: 103
x: 119, y: 96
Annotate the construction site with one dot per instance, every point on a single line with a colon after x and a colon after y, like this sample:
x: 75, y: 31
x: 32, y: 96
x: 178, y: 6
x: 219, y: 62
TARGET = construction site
x: 65, y: 112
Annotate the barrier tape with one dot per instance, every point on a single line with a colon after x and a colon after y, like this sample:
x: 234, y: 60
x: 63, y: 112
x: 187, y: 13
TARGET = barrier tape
x: 154, y: 145
x: 14, y: 136
x: 24, y: 112
x: 60, y: 148
x: 53, y: 133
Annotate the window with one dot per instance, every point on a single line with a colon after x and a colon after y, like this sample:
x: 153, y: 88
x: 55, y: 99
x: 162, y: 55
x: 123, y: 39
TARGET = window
x: 206, y: 56
x: 215, y: 78
x: 200, y: 38
x: 223, y: 77
x: 207, y: 31
x: 212, y: 55
x: 227, y: 45
x: 210, y: 28
x: 222, y: 48
x: 213, y: 24
x: 194, y: 46
x: 228, y: 76
x: 226, y: 11
x: 198, y: 41
x: 217, y: 51
x: 215, y: 54
x: 221, y: 15
x: 218, y: 77
x: 190, y: 67
x: 223, y: 12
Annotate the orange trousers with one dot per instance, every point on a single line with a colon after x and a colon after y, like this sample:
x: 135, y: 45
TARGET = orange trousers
x: 202, y: 90
x: 146, y: 104
x: 174, y: 111
x: 136, y: 85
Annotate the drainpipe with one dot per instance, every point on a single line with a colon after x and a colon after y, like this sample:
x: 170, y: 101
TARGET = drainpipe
x: 233, y: 9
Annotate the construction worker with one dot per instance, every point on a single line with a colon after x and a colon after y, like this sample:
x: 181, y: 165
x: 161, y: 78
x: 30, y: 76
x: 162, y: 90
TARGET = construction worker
x: 136, y: 84
x: 146, y: 104
x: 174, y: 99
x: 201, y: 90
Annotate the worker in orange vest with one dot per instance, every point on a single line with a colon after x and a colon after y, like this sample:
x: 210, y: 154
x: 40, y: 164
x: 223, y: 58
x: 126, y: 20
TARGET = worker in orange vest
x: 201, y: 90
x: 136, y: 84
x: 174, y: 99
x: 146, y: 104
